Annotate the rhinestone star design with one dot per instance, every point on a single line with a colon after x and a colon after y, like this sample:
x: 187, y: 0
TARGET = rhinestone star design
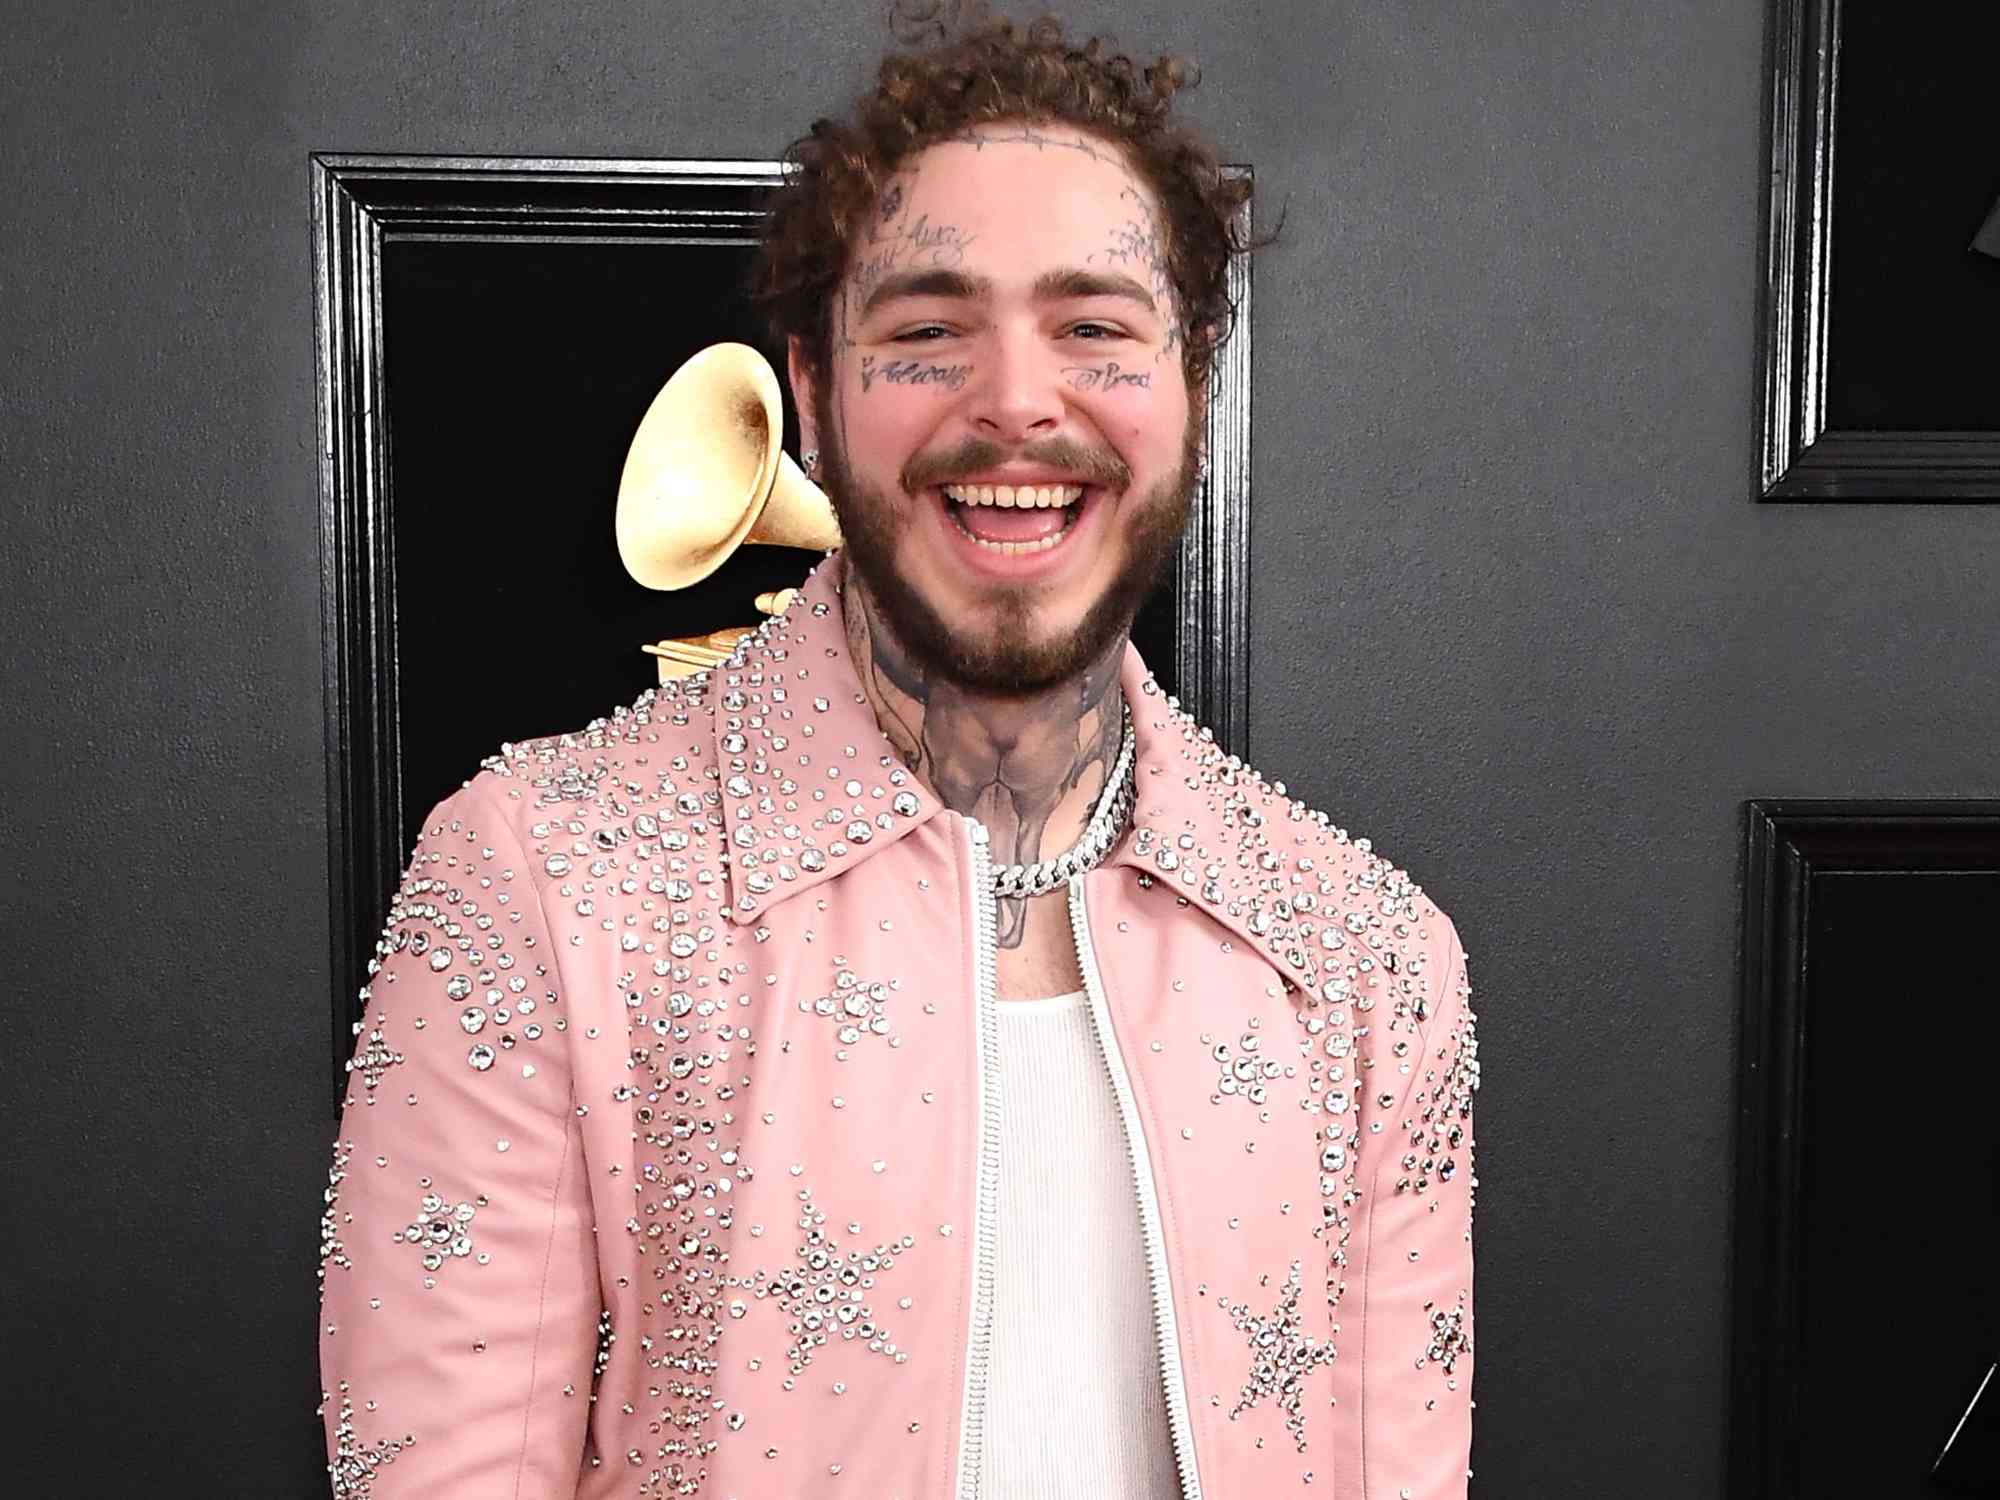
x: 1243, y: 1073
x: 857, y: 1008
x: 354, y: 1465
x: 827, y: 1291
x: 1450, y: 1338
x: 372, y: 1059
x: 1281, y: 1356
x: 442, y: 1230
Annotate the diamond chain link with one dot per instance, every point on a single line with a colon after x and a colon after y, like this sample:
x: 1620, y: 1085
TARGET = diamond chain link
x: 1114, y: 810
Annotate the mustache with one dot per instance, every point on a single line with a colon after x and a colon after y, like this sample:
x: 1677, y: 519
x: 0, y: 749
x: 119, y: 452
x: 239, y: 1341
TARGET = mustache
x: 979, y: 455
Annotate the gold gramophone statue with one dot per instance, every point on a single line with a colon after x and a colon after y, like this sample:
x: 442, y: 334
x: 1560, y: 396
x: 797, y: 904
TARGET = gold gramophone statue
x: 707, y: 473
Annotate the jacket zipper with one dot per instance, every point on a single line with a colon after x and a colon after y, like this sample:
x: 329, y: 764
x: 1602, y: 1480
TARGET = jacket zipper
x: 1179, y: 1425
x: 986, y: 1017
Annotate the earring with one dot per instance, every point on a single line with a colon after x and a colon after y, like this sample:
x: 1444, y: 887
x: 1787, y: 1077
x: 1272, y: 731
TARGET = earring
x: 809, y: 461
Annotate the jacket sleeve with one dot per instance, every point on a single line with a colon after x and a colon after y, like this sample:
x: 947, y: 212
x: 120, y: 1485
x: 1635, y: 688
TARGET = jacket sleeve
x: 1408, y: 1311
x: 458, y: 1288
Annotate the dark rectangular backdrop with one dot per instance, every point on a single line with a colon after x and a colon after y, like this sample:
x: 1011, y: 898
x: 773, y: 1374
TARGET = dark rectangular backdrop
x: 1515, y: 615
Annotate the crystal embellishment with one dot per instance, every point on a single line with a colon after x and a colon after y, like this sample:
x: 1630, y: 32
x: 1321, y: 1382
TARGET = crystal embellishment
x: 827, y: 1291
x: 1281, y: 1356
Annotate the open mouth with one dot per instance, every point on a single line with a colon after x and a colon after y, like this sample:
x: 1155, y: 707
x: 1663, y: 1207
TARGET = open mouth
x: 1014, y: 519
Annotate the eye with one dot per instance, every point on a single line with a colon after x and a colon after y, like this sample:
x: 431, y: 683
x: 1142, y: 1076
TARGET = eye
x: 924, y: 333
x: 1092, y: 332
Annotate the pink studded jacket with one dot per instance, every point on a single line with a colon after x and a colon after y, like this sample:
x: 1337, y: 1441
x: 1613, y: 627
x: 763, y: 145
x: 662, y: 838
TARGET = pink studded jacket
x: 667, y: 1162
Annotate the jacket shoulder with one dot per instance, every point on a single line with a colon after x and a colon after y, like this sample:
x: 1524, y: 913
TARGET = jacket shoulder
x: 655, y: 751
x: 1396, y: 930
x: 1340, y: 917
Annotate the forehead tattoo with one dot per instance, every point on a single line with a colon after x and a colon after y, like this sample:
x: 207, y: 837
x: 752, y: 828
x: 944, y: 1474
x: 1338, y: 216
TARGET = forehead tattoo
x: 905, y: 255
x: 981, y: 136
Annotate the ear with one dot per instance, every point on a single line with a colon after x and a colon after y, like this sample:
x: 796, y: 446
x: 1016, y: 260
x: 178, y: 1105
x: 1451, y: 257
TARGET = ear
x: 798, y: 371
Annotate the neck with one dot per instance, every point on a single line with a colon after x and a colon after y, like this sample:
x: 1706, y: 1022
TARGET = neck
x: 1029, y: 767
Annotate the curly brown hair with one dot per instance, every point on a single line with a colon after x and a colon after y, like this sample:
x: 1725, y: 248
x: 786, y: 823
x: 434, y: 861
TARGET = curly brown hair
x: 998, y: 71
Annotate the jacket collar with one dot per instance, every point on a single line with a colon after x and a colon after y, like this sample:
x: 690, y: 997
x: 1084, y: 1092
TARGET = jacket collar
x: 1224, y: 840
x: 811, y: 787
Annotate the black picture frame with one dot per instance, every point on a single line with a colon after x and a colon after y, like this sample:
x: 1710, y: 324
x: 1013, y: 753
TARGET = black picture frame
x: 362, y: 204
x: 1809, y: 451
x: 1790, y: 844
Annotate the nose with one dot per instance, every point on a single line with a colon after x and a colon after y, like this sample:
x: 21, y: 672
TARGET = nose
x: 1018, y: 395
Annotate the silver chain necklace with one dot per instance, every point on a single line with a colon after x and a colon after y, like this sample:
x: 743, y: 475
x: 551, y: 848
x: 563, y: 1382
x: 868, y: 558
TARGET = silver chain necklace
x: 1114, y: 810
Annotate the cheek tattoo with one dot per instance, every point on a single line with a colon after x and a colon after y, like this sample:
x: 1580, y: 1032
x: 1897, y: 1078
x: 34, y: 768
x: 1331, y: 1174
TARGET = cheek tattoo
x: 912, y: 372
x: 1106, y: 377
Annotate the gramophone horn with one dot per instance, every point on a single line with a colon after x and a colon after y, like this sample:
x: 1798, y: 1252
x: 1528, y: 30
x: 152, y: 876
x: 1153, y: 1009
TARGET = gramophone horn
x: 706, y: 473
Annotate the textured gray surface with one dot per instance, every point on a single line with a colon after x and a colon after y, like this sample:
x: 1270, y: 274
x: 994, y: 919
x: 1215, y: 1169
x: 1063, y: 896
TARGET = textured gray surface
x: 1514, y: 616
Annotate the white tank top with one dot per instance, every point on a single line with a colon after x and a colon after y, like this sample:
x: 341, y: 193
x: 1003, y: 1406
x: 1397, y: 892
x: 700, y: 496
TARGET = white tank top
x: 1074, y: 1407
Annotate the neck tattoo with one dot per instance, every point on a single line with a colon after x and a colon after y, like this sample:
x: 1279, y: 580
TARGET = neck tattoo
x: 1058, y: 762
x: 1113, y: 812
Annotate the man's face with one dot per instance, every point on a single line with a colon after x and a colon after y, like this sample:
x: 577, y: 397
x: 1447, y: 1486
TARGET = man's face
x: 1007, y: 331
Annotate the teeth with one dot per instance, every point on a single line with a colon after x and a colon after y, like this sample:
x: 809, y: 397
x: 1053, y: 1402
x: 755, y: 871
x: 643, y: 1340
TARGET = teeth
x: 1010, y: 547
x: 1015, y: 497
x: 1013, y: 547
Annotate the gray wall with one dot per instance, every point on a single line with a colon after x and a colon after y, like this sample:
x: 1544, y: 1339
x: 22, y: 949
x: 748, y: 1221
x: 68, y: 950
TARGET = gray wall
x: 1515, y: 616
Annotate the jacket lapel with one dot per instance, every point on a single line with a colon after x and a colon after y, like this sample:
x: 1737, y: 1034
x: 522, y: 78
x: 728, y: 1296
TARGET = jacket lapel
x: 810, y: 785
x: 1220, y: 837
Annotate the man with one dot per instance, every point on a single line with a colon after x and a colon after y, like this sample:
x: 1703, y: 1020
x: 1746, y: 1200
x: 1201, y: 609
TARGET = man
x: 913, y: 1060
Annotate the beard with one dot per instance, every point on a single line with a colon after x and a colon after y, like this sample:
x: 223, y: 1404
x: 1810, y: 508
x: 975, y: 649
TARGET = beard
x: 1006, y: 657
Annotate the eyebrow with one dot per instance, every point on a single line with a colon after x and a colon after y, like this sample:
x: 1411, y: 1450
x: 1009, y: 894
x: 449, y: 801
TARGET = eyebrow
x: 933, y: 283
x: 1050, y: 286
x: 1055, y: 286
